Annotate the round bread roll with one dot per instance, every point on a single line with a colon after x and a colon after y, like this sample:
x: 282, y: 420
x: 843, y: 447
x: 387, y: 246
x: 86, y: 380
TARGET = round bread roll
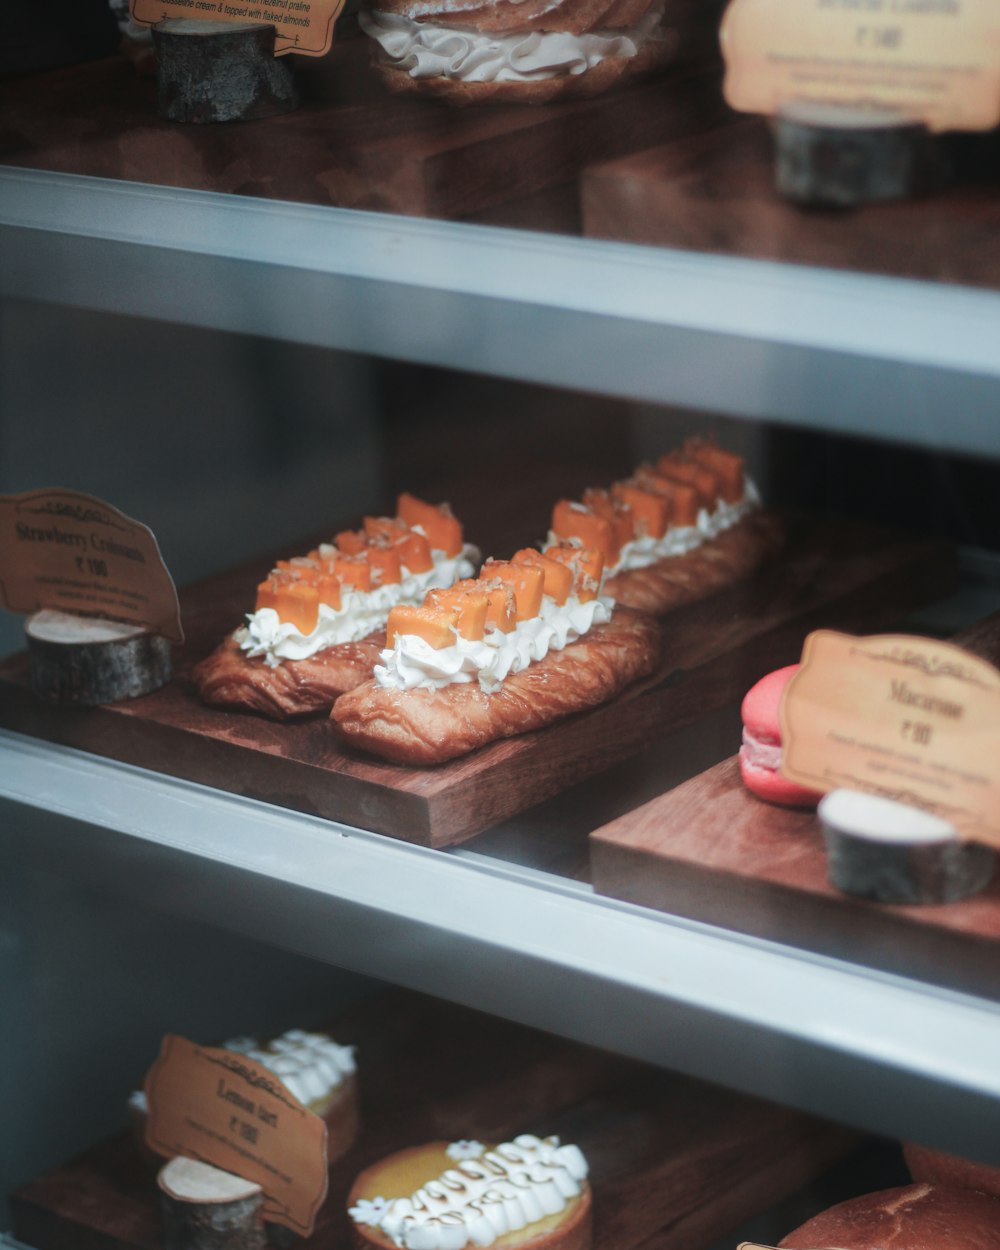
x: 515, y: 51
x: 913, y: 1217
x: 937, y: 1168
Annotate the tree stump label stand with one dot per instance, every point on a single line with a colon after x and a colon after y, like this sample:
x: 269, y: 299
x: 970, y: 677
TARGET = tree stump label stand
x: 221, y: 1108
x: 208, y: 1209
x: 301, y: 26
x: 105, y: 607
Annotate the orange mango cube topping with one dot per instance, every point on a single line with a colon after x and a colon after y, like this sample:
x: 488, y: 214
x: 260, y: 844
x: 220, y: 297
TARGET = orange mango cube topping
x: 674, y: 465
x: 526, y: 581
x: 586, y: 565
x: 726, y: 465
x: 350, y: 542
x: 651, y: 511
x: 683, y: 500
x: 615, y: 510
x: 354, y: 571
x: 501, y: 607
x: 414, y: 552
x: 328, y: 588
x: 383, y: 552
x: 443, y: 531
x: 470, y: 608
x: 557, y: 578
x: 386, y: 528
x: 576, y: 521
x: 267, y: 595
x: 295, y: 601
x: 435, y: 625
x: 384, y: 564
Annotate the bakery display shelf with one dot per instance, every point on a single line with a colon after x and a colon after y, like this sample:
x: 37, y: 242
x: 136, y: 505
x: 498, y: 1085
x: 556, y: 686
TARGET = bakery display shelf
x: 351, y: 143
x: 671, y: 1159
x: 712, y: 851
x: 876, y: 1051
x: 834, y: 573
x: 715, y: 192
x: 850, y: 353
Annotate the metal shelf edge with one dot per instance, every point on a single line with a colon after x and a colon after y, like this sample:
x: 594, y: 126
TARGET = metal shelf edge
x: 751, y: 338
x: 876, y: 1051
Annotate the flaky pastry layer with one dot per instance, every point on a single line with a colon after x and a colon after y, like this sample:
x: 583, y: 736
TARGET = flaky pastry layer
x: 713, y: 566
x: 229, y: 678
x: 423, y: 726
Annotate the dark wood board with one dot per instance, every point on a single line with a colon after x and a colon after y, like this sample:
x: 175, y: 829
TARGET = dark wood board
x: 712, y: 851
x: 351, y: 144
x: 829, y: 573
x: 672, y: 1159
x: 715, y: 193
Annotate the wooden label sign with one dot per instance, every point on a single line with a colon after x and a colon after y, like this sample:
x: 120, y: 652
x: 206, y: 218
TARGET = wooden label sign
x: 303, y: 26
x: 908, y: 718
x: 936, y: 61
x: 222, y: 1108
x: 61, y: 549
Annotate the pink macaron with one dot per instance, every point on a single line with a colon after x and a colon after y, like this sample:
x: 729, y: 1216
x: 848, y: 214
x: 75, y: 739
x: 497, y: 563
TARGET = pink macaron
x: 760, y: 754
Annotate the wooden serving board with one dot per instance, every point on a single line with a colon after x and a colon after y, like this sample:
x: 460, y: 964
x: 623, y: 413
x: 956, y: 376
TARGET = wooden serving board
x: 712, y: 851
x: 671, y: 1159
x: 351, y: 144
x: 832, y: 574
x: 715, y: 193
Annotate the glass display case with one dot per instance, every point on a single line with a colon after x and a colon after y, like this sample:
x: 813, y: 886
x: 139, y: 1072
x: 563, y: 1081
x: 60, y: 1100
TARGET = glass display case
x: 206, y: 330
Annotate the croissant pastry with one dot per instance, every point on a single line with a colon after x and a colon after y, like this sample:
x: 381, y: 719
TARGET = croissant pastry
x: 718, y: 563
x: 676, y: 531
x: 319, y: 621
x: 229, y: 678
x: 428, y: 726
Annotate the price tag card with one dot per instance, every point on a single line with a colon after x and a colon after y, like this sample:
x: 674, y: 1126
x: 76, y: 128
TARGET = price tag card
x: 222, y: 1108
x: 908, y: 718
x: 937, y: 61
x: 304, y: 26
x: 61, y: 549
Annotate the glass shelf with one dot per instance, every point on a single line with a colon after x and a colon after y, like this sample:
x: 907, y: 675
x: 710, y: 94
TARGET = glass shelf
x: 845, y: 352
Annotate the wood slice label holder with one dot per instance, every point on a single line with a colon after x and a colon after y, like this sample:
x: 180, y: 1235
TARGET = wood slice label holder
x: 222, y: 1108
x: 105, y: 607
x: 856, y: 93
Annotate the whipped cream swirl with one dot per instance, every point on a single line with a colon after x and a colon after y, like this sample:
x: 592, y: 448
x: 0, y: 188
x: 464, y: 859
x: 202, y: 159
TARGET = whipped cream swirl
x: 412, y: 663
x: 481, y: 1199
x: 424, y: 50
x: 310, y: 1065
x: 760, y: 754
x: 641, y: 552
x: 360, y: 612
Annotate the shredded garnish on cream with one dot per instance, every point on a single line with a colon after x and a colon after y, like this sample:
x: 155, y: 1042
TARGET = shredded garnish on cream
x: 412, y: 663
x: 640, y: 553
x: 361, y: 612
